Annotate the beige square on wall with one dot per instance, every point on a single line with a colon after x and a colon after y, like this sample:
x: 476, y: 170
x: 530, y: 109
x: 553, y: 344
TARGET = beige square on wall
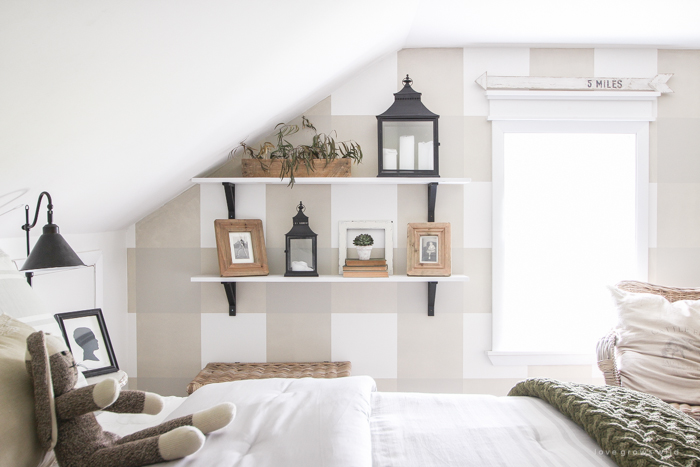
x: 430, y: 347
x: 169, y: 345
x: 174, y: 225
x: 298, y: 337
x: 438, y: 74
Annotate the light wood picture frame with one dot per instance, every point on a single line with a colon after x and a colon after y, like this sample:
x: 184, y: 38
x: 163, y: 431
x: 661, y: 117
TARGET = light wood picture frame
x: 240, y: 244
x: 386, y: 226
x: 429, y: 249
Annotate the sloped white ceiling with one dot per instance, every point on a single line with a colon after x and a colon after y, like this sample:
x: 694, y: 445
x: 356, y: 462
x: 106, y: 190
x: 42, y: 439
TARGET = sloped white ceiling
x: 113, y: 106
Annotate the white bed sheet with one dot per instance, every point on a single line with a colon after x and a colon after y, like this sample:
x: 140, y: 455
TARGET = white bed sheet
x: 426, y: 430
x: 286, y: 422
x: 124, y: 424
x: 344, y: 422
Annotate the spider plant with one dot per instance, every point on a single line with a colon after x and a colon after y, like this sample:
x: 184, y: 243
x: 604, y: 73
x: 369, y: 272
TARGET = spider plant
x: 323, y: 147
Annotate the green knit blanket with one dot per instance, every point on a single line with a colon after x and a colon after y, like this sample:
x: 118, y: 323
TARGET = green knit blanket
x: 633, y: 428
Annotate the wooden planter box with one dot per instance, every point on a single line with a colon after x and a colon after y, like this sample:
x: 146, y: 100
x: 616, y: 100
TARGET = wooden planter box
x: 334, y: 168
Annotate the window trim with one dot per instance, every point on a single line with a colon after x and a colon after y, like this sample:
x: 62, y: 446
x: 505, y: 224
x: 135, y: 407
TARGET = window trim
x: 639, y: 127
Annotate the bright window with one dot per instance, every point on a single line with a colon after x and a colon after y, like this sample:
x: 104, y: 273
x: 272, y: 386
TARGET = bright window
x: 569, y: 219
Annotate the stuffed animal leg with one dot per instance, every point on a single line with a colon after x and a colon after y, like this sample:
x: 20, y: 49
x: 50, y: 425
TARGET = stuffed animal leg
x: 177, y: 443
x: 205, y: 421
x: 170, y: 440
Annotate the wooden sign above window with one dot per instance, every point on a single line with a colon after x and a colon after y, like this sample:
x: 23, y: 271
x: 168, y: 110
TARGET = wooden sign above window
x: 542, y: 83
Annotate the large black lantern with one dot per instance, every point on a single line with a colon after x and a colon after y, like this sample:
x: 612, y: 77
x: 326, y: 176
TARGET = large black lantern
x: 408, y: 137
x: 300, y: 243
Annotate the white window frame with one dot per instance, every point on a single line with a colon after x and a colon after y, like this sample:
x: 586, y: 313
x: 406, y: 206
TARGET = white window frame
x: 565, y: 112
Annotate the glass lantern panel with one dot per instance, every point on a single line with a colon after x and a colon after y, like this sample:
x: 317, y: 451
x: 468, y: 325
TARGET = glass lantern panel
x: 301, y: 251
x: 408, y: 145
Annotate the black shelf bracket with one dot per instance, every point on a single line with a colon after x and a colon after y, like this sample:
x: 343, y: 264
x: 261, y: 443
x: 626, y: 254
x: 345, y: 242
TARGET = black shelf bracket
x: 432, y: 286
x: 432, y: 196
x: 230, y: 190
x: 230, y: 288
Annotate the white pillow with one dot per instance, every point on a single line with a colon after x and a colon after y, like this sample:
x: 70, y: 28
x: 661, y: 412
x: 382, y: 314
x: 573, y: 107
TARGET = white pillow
x: 17, y: 298
x: 658, y: 345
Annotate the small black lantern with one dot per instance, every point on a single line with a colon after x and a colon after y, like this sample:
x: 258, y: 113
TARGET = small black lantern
x: 408, y: 137
x: 300, y: 243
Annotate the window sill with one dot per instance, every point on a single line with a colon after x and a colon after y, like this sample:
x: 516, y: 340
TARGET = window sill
x: 540, y: 358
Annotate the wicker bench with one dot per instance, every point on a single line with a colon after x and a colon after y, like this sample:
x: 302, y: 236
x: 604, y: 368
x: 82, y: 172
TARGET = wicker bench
x: 224, y: 372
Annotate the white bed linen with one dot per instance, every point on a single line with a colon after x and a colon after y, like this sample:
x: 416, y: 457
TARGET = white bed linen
x: 426, y: 430
x: 286, y: 422
x: 342, y: 422
x: 124, y: 424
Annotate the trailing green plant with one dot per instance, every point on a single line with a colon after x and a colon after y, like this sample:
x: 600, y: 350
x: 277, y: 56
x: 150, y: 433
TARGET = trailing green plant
x: 363, y: 240
x: 323, y: 146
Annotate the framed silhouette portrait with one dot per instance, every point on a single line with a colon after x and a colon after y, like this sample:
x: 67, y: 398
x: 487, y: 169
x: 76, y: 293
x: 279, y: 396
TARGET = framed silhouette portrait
x: 85, y: 333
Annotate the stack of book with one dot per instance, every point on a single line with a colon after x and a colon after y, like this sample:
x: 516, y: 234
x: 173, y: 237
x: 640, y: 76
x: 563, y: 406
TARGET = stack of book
x: 365, y: 268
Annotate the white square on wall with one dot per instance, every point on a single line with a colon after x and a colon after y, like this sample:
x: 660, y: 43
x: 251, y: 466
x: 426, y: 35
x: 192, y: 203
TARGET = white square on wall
x: 250, y: 204
x: 368, y: 340
x: 240, y: 338
x: 476, y: 342
x: 212, y: 206
x: 497, y: 61
x: 362, y: 203
x: 478, y: 215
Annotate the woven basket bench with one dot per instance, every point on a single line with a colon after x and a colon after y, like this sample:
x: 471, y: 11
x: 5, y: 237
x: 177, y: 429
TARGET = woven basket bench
x: 225, y: 372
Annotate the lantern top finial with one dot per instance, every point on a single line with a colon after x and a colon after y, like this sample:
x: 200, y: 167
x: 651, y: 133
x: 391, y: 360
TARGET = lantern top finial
x: 407, y: 81
x: 301, y: 207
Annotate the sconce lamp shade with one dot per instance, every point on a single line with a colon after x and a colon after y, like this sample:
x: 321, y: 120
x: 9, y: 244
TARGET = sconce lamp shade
x: 51, y: 251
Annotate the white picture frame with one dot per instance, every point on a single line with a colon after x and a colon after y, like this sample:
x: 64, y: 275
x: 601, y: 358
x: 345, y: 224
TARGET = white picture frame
x: 386, y: 226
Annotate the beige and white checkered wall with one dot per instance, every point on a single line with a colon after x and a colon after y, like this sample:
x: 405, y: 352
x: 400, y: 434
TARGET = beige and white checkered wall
x: 383, y: 328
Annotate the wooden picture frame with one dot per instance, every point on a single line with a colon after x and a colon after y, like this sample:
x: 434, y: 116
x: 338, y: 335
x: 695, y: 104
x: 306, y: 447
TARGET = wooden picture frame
x: 85, y: 333
x: 429, y: 249
x: 386, y: 226
x: 240, y: 244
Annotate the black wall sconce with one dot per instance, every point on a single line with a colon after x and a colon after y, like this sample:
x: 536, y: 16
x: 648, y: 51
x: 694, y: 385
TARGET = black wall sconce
x: 408, y: 137
x: 301, y: 251
x: 51, y: 250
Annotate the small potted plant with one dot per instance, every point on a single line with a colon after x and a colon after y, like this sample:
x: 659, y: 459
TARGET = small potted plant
x: 363, y: 243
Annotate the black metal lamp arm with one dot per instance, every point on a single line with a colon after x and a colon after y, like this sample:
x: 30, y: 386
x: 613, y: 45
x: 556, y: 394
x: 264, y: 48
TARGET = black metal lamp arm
x: 27, y: 227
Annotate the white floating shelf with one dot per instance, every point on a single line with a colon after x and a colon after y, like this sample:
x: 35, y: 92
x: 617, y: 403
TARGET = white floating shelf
x: 330, y: 278
x: 336, y: 180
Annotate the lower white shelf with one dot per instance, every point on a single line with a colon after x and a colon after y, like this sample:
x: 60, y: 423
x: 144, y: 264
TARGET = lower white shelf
x: 331, y: 278
x: 229, y: 283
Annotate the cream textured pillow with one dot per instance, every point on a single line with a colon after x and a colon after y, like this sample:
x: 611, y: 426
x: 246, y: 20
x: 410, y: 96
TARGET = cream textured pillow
x: 658, y: 345
x: 19, y: 445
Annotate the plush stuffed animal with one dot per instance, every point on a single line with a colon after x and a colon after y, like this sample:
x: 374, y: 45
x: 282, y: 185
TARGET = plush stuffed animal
x: 66, y: 423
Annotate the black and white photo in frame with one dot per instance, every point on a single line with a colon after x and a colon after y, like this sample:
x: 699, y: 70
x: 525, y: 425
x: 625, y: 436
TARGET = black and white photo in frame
x: 85, y: 333
x: 241, y: 244
x: 429, y: 249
